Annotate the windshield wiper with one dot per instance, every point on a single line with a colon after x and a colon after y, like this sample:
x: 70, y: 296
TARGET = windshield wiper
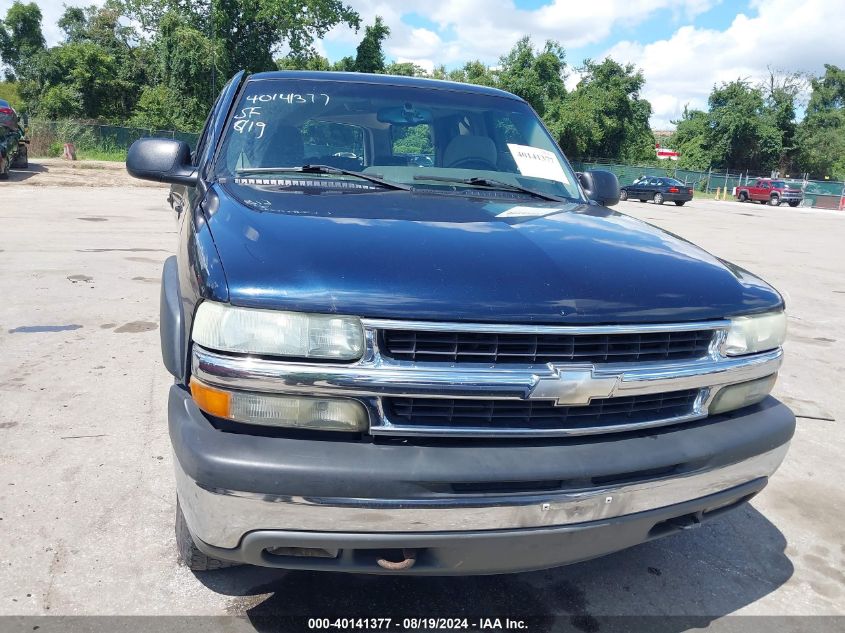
x: 324, y: 169
x: 491, y: 183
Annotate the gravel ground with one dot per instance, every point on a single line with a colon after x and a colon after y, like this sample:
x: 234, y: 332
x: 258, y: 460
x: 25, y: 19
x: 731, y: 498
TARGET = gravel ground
x: 57, y: 172
x: 86, y: 482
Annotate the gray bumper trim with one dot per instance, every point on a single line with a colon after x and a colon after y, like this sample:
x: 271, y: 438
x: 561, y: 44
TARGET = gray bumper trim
x: 222, y: 517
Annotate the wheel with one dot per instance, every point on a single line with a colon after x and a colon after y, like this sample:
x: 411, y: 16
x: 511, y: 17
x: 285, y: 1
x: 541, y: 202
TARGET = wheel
x: 658, y: 198
x: 4, y: 168
x: 188, y: 554
x: 680, y: 203
x: 623, y: 195
x: 794, y: 203
x: 22, y: 159
x: 774, y: 201
x: 743, y: 196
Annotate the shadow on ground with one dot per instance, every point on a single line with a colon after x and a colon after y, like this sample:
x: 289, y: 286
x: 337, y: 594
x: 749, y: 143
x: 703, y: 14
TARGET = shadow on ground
x: 695, y: 576
x: 19, y: 174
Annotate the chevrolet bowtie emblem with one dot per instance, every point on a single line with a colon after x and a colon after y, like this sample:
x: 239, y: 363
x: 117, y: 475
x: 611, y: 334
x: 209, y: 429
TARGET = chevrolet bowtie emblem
x: 573, y: 387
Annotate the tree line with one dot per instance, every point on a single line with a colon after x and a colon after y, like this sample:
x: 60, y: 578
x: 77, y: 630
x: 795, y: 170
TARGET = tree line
x: 160, y: 63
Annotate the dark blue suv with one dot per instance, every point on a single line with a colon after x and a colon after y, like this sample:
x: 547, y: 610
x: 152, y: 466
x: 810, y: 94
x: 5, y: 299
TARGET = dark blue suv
x: 407, y: 338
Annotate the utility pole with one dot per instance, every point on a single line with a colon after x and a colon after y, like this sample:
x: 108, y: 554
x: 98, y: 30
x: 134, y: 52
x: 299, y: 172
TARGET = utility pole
x: 213, y: 51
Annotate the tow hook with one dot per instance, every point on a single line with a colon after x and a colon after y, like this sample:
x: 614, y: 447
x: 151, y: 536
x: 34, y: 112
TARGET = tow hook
x: 410, y: 558
x: 688, y: 521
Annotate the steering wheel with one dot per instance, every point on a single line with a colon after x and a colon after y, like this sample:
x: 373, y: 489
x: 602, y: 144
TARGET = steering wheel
x: 473, y: 162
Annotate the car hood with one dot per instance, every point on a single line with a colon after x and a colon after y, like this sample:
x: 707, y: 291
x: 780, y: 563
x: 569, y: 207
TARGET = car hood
x: 395, y: 254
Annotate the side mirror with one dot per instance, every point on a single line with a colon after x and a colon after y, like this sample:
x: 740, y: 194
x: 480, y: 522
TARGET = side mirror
x: 161, y: 160
x: 601, y: 186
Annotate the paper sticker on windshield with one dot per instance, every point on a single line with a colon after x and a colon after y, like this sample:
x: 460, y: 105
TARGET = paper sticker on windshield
x: 537, y: 163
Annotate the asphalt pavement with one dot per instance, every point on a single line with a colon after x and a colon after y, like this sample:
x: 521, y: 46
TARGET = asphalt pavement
x: 86, y: 479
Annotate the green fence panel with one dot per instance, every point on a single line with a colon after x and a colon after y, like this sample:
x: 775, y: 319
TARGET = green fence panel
x: 107, y: 136
x: 822, y: 193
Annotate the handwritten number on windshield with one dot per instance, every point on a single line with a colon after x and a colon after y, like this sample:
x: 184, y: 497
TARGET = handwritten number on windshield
x: 244, y: 121
x: 291, y: 98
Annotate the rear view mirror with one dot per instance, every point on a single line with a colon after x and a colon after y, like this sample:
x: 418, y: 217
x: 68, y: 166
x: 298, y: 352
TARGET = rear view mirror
x: 161, y: 160
x: 405, y: 115
x: 601, y: 186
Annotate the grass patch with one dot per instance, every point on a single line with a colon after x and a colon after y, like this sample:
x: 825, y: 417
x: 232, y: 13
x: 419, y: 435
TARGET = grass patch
x: 709, y: 195
x: 108, y: 153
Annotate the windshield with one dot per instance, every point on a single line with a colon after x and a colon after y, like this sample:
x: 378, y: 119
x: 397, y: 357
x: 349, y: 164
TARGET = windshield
x: 398, y: 133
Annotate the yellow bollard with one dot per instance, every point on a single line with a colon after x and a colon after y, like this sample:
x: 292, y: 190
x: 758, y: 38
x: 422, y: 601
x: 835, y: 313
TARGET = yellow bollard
x: 718, y: 189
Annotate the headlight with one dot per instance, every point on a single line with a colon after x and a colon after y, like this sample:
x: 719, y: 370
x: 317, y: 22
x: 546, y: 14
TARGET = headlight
x: 742, y: 395
x: 750, y: 334
x: 319, y: 414
x: 227, y: 328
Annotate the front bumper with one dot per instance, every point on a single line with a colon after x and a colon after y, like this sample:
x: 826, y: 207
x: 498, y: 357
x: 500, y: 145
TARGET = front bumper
x: 242, y: 495
x: 481, y: 552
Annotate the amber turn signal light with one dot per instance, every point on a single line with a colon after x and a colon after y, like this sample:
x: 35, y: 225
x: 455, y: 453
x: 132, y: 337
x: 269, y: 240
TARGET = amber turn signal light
x: 211, y: 400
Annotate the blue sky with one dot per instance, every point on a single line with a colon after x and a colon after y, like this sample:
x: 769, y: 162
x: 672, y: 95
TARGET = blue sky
x: 684, y: 47
x: 651, y: 27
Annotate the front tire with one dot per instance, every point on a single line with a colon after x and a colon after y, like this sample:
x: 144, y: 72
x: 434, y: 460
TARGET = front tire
x: 794, y: 203
x: 743, y: 196
x: 774, y: 201
x: 623, y: 195
x: 680, y: 203
x: 658, y: 198
x: 22, y: 159
x: 187, y: 552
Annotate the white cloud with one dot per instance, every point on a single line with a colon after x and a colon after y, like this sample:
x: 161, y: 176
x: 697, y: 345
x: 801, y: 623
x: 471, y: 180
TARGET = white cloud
x: 486, y: 29
x: 779, y: 35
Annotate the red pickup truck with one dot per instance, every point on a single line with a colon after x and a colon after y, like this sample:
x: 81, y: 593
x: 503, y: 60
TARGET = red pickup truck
x: 770, y: 190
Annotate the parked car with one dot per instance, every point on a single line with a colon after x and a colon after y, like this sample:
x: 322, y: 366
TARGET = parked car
x: 470, y: 367
x: 772, y: 191
x: 659, y: 190
x: 13, y: 143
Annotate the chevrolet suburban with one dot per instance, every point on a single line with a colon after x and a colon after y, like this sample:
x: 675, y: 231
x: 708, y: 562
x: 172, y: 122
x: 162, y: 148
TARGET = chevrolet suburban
x: 407, y: 338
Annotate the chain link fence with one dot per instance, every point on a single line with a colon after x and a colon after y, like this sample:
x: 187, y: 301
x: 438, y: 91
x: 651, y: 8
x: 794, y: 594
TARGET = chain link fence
x: 825, y: 194
x: 47, y: 138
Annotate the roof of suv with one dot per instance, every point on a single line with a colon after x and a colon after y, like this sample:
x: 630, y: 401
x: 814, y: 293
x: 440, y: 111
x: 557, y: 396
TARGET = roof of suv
x: 392, y: 80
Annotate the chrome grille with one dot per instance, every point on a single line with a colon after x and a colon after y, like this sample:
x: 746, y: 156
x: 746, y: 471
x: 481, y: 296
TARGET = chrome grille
x: 508, y: 393
x: 538, y: 415
x: 483, y: 347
